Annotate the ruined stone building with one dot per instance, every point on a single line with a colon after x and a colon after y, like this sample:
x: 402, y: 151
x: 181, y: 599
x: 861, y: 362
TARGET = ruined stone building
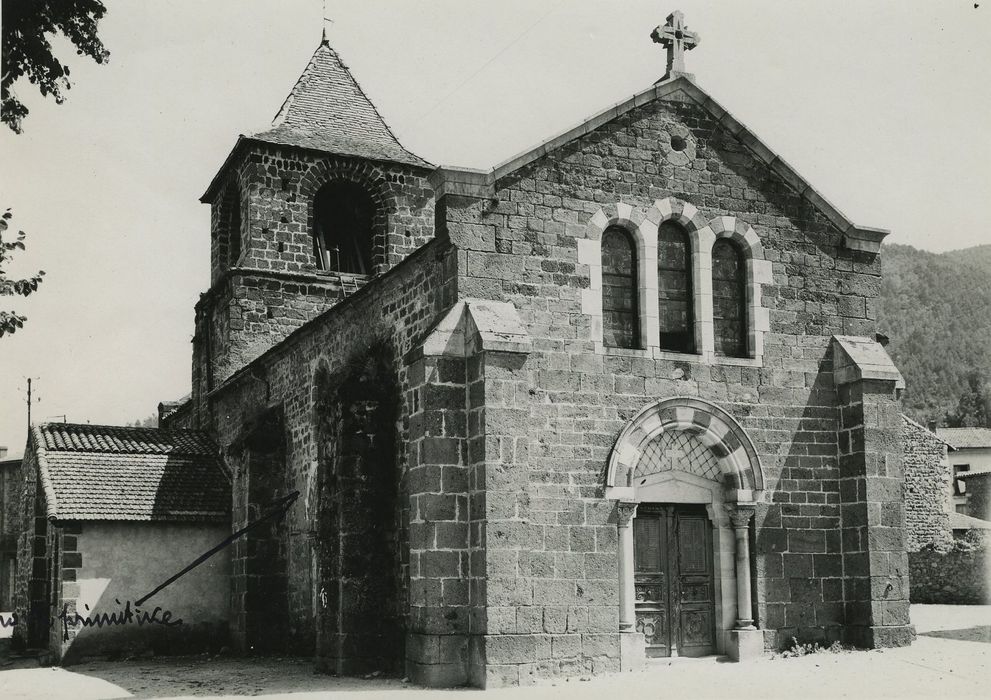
x: 617, y: 397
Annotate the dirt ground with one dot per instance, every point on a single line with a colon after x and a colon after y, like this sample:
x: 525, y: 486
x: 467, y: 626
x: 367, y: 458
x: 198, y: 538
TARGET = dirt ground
x: 951, y: 658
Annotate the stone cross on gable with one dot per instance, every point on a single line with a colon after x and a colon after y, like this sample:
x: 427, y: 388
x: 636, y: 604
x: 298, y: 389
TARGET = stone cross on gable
x: 675, y: 37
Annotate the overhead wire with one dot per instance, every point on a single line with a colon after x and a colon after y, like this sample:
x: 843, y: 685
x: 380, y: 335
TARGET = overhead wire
x: 487, y: 63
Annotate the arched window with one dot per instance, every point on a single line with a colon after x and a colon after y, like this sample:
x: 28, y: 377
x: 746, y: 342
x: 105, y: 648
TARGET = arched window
x: 729, y: 299
x: 675, y: 305
x: 620, y: 317
x: 342, y: 232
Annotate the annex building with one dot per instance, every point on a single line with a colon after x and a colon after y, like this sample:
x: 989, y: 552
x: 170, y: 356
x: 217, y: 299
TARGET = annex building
x: 617, y: 397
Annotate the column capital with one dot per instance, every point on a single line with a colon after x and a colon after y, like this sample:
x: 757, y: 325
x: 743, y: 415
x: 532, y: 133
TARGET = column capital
x: 625, y: 512
x: 740, y: 514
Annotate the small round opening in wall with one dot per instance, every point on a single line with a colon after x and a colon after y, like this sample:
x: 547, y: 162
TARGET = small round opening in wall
x: 678, y: 143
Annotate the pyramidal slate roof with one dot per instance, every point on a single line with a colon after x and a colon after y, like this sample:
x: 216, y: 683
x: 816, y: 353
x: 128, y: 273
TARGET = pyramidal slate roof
x: 99, y: 472
x: 328, y: 111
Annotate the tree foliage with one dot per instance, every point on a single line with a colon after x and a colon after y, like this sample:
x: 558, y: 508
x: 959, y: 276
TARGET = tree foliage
x: 10, y: 321
x: 974, y: 407
x: 27, y: 50
x: 936, y: 308
x: 149, y: 422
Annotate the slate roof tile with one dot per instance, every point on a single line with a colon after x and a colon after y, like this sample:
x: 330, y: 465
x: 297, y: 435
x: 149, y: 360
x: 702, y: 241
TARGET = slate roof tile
x: 328, y: 111
x: 94, y: 472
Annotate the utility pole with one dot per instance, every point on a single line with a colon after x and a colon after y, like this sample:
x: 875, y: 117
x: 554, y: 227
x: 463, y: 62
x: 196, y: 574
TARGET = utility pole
x: 30, y: 398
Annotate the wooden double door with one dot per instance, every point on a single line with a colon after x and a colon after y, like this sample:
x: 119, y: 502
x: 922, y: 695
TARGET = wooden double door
x: 673, y: 580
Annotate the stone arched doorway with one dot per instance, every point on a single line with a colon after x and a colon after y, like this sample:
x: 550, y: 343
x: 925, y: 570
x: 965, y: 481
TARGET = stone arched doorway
x: 694, y: 476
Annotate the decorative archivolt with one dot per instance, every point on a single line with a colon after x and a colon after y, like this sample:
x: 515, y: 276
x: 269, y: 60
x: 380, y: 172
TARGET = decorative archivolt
x: 636, y: 453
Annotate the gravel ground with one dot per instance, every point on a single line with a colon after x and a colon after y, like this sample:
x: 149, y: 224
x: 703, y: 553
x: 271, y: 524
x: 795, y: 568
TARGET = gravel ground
x: 951, y: 658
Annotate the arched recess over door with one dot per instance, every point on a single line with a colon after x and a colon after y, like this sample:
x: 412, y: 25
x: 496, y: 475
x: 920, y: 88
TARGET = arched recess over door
x: 677, y: 453
x: 743, y: 477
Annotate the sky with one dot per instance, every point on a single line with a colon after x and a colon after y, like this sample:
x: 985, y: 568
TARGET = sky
x: 883, y: 106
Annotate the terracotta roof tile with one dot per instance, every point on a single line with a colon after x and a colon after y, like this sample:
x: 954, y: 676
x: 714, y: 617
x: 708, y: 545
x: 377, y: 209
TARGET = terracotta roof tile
x: 982, y: 470
x: 113, y: 438
x: 959, y: 521
x: 963, y: 438
x: 94, y: 472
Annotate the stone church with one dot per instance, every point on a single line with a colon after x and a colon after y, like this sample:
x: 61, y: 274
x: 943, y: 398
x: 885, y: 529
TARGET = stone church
x: 618, y: 397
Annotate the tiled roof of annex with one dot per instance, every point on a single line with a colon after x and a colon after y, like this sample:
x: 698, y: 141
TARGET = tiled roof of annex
x: 96, y: 472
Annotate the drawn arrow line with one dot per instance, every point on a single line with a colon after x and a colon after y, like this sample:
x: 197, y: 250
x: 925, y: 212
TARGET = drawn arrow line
x: 279, y: 511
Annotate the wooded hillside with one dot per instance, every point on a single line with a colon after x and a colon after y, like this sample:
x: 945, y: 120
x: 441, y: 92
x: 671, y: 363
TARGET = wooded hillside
x: 936, y: 308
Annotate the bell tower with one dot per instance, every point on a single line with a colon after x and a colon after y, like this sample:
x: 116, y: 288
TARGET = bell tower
x: 303, y: 214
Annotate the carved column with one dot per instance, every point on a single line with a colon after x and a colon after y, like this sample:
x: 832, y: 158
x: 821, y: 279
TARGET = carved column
x: 625, y: 513
x: 740, y: 516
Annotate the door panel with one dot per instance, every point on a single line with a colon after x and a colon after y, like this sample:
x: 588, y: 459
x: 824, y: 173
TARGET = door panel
x: 674, y: 580
x: 651, y: 582
x: 694, y: 542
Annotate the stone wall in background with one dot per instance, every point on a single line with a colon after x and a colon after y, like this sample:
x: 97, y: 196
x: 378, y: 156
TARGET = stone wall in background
x: 927, y: 488
x: 959, y: 576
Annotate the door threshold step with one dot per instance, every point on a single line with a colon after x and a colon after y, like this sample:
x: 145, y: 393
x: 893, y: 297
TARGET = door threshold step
x: 670, y: 660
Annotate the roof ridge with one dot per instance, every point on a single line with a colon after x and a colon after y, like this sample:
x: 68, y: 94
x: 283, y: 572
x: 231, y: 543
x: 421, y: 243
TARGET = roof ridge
x: 106, y: 481
x: 124, y: 439
x: 349, y: 74
x: 928, y: 430
x: 50, y: 424
x: 855, y: 237
x: 44, y: 475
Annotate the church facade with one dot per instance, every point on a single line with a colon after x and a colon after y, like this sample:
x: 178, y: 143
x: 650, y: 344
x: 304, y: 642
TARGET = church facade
x: 617, y: 398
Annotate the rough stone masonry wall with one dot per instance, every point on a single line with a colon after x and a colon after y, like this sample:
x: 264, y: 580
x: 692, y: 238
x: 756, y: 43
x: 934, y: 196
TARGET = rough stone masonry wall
x: 246, y: 313
x: 278, y: 287
x: 549, y: 579
x: 259, y: 589
x: 30, y: 586
x: 277, y: 186
x: 396, y: 312
x: 927, y: 489
x: 361, y: 519
x: 961, y: 576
